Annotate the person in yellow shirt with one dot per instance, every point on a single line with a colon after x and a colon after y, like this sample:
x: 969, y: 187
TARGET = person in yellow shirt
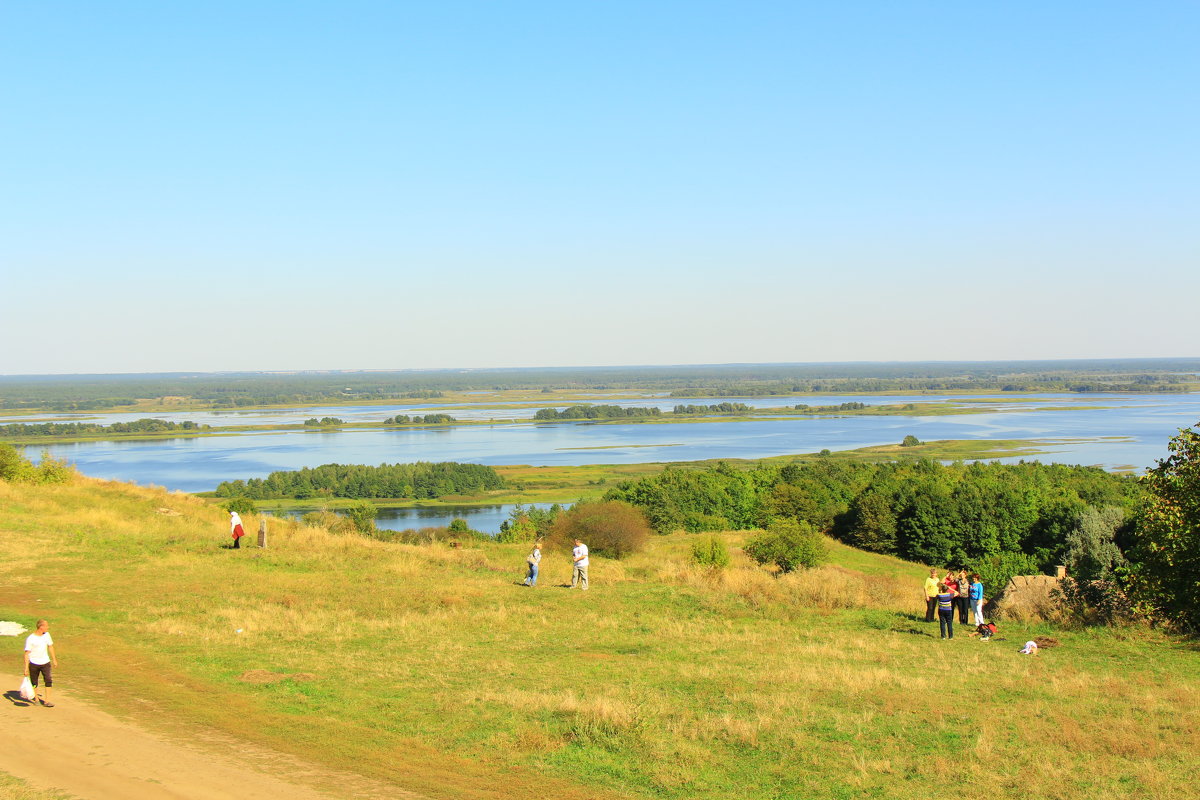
x: 931, y: 593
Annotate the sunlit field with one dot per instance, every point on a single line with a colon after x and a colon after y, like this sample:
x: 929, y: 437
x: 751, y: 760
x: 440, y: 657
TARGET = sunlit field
x: 431, y: 667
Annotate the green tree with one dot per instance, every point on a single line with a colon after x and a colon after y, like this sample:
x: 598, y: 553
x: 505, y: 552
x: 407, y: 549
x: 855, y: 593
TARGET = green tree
x: 609, y: 527
x: 519, y: 528
x: 1165, y: 576
x: 242, y: 505
x: 789, y: 545
x: 1092, y: 552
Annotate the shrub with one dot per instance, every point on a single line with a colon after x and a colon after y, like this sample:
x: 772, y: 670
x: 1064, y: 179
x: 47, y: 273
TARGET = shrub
x: 459, y: 527
x: 789, y: 545
x: 242, y: 505
x: 362, y: 514
x: 1095, y: 602
x: 16, y: 468
x: 610, y: 528
x: 520, y: 529
x: 710, y: 552
x: 996, y: 571
x: 13, y: 466
x: 910, y: 441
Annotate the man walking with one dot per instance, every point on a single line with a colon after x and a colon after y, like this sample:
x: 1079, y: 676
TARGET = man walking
x: 39, y: 658
x: 579, y: 571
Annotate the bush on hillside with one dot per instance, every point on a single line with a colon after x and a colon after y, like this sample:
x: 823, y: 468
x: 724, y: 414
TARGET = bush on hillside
x: 996, y: 571
x: 242, y: 505
x: 461, y: 529
x: 15, y: 468
x: 609, y: 528
x: 521, y: 529
x: 362, y: 514
x: 711, y: 553
x: 789, y: 545
x: 1100, y: 601
x: 13, y: 465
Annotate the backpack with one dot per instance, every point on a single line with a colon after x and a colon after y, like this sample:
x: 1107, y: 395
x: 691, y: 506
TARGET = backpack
x: 987, y: 629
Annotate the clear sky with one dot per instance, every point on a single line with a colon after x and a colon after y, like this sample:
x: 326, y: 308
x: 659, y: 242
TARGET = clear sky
x: 287, y: 185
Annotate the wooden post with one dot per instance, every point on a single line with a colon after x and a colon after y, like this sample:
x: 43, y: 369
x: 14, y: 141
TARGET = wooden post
x: 262, y: 531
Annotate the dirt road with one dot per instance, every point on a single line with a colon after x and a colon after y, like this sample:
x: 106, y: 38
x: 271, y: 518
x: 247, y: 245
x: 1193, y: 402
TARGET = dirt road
x: 79, y: 749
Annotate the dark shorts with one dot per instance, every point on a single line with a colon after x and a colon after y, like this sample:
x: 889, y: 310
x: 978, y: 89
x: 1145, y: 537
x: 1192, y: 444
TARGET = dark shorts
x: 40, y: 669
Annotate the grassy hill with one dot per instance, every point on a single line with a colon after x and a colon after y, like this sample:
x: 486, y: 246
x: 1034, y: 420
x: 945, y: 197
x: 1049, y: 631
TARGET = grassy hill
x: 428, y: 666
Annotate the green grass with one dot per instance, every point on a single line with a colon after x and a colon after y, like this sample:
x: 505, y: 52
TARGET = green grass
x: 430, y: 667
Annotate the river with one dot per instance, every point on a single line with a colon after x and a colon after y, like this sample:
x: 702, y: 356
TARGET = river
x: 1113, y: 431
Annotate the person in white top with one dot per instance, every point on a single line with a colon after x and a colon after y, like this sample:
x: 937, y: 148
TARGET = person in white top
x: 235, y: 528
x: 39, y: 656
x: 579, y: 572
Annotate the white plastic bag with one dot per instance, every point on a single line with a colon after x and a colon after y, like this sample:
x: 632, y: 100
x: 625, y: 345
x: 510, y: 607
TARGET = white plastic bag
x: 27, y: 689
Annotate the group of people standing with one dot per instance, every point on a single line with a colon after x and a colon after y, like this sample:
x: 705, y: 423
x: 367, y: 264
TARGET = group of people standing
x: 957, y: 590
x: 579, y: 568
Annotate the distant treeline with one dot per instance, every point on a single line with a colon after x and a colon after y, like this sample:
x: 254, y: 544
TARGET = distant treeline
x: 853, y: 406
x: 596, y: 412
x: 237, y: 390
x: 719, y: 408
x: 428, y: 419
x: 1003, y: 518
x: 400, y: 481
x: 18, y: 429
x: 1037, y: 383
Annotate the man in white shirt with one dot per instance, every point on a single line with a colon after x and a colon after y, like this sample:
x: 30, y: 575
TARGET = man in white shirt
x: 579, y: 572
x: 39, y: 655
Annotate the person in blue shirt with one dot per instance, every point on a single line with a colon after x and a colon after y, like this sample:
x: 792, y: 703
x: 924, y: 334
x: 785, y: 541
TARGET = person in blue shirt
x: 945, y: 606
x: 976, y: 597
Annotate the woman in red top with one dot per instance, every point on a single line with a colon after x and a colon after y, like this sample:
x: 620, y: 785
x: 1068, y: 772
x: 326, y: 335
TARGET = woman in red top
x: 235, y: 528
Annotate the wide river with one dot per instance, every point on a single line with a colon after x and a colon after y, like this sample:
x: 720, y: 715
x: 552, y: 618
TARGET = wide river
x: 1113, y: 431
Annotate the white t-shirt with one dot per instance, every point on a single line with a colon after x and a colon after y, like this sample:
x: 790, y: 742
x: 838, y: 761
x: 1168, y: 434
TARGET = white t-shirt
x: 36, y: 645
x: 580, y: 551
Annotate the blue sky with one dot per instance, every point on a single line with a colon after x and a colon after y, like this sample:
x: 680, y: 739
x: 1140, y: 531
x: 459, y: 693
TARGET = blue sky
x: 292, y: 185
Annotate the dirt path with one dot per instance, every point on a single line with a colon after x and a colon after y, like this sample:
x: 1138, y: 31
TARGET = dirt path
x: 79, y: 749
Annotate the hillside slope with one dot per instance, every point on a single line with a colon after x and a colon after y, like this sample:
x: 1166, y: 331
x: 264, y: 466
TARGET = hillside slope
x: 429, y: 668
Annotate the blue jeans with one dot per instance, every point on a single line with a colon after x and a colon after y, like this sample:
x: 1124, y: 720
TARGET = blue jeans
x: 531, y: 578
x: 946, y: 618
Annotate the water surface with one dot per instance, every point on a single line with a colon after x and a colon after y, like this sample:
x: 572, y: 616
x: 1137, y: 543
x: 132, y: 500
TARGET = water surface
x: 1113, y: 431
